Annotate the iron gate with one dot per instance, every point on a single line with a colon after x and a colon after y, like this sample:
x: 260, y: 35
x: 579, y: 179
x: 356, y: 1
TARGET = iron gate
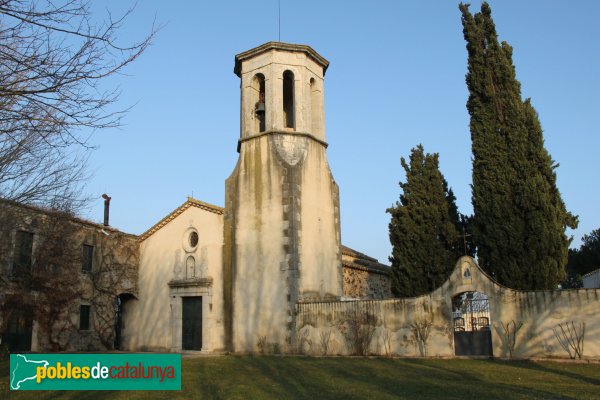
x: 472, y: 333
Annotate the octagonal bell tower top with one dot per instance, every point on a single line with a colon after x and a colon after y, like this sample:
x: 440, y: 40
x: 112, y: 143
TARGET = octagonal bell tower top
x: 281, y: 90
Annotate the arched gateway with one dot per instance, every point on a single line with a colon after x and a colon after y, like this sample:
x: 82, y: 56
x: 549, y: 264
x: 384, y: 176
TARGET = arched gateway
x: 471, y: 323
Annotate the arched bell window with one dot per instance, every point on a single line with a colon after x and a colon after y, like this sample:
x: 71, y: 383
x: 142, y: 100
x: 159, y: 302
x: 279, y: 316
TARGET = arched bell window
x: 260, y: 107
x: 288, y: 100
x: 314, y: 107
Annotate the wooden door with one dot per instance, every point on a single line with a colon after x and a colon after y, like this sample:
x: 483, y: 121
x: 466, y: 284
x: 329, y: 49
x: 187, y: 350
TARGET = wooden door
x: 192, y: 323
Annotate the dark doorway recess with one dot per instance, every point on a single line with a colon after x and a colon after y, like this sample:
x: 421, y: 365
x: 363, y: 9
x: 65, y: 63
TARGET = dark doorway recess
x: 192, y: 323
x: 18, y: 331
x: 120, y: 302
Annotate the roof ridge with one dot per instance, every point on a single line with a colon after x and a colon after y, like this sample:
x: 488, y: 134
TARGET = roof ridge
x: 377, y: 269
x: 73, y: 217
x: 357, y: 254
x: 591, y: 273
x: 190, y: 202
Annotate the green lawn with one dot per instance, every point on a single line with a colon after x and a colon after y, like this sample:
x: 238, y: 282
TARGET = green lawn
x: 247, y: 377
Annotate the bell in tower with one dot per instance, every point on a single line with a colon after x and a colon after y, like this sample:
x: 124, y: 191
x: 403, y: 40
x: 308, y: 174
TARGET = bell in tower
x: 260, y: 106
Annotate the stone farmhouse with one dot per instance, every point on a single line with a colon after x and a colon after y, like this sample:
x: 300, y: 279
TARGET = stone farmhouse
x: 62, y: 280
x: 267, y: 271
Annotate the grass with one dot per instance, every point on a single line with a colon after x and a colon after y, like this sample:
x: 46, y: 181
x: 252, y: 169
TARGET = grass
x: 247, y: 377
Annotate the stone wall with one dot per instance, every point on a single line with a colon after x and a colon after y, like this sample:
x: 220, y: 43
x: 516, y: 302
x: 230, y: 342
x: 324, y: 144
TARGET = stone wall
x: 392, y: 323
x: 360, y: 283
x: 364, y: 277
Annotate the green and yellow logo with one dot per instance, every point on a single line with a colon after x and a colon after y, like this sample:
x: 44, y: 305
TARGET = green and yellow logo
x: 95, y: 372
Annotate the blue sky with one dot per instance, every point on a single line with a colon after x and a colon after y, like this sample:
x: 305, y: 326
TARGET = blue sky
x: 396, y: 79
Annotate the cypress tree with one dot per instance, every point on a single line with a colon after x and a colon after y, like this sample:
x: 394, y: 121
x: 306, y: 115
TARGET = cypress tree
x: 519, y: 216
x: 423, y: 228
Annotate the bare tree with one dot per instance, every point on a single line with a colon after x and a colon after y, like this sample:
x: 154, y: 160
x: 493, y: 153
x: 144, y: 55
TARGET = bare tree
x: 325, y: 341
x: 509, y: 335
x: 358, y: 327
x: 388, y: 338
x: 301, y: 342
x: 421, y: 329
x: 53, y: 55
x: 571, y: 337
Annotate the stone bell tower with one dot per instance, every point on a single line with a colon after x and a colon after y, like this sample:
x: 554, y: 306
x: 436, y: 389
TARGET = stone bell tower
x: 282, y: 228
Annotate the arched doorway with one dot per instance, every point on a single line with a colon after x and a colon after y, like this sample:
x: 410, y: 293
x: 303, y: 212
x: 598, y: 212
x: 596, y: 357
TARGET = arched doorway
x: 119, y: 303
x: 18, y: 329
x: 471, y: 324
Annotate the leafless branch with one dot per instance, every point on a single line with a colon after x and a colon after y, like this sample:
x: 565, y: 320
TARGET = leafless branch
x: 387, y: 337
x: 509, y: 334
x: 571, y: 337
x: 53, y: 55
x: 325, y: 341
x: 421, y: 329
x: 358, y: 328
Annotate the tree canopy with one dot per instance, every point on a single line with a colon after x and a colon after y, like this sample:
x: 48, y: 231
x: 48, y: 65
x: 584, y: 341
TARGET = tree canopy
x: 519, y: 216
x: 424, y: 228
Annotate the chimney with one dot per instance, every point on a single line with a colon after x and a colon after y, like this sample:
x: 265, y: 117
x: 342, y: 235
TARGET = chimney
x: 106, y: 208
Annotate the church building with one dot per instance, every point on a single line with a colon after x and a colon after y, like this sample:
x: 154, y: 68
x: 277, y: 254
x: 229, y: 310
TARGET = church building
x: 213, y: 278
x: 216, y: 279
x: 267, y: 271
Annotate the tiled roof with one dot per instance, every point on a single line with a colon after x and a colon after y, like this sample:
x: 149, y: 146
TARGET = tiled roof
x: 596, y: 271
x: 357, y: 260
x: 73, y: 218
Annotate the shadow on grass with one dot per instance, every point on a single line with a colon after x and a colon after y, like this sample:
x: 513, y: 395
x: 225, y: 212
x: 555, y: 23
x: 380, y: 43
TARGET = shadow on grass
x: 248, y: 377
x: 306, y: 378
x: 453, y: 379
x: 560, y: 369
x: 485, y: 379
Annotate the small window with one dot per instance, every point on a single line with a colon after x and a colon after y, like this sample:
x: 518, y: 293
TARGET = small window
x: 190, y: 240
x: 193, y: 239
x: 23, y: 252
x: 84, y: 317
x: 88, y: 257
